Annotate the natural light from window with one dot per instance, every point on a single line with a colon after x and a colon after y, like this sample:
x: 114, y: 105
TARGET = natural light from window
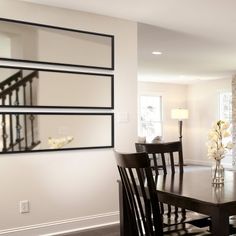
x: 150, y: 122
x: 225, y: 113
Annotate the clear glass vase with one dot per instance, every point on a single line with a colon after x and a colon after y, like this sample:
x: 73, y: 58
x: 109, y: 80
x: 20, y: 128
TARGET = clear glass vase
x: 217, y: 173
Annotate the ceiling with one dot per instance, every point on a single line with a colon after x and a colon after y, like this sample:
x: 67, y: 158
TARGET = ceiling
x: 197, y: 37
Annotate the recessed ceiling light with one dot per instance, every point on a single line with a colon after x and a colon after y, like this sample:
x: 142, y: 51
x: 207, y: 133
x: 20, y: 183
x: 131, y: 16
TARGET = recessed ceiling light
x: 156, y: 53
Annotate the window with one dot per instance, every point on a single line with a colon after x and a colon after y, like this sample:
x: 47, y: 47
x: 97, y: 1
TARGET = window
x: 226, y: 106
x: 150, y: 124
x: 225, y: 113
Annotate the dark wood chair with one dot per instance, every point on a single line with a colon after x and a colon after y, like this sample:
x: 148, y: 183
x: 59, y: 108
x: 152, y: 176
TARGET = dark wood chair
x: 142, y: 200
x: 167, y: 158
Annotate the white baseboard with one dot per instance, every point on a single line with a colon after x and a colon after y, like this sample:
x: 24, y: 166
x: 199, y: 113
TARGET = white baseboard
x: 207, y: 163
x: 198, y: 162
x: 64, y: 226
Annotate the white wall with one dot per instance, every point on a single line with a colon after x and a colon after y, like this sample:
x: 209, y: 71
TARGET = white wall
x: 203, y: 105
x: 173, y: 96
x: 71, y: 189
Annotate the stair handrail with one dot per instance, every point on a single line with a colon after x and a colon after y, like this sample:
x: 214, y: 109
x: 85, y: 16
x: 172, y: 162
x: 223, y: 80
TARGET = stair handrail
x: 19, y: 83
x: 10, y: 79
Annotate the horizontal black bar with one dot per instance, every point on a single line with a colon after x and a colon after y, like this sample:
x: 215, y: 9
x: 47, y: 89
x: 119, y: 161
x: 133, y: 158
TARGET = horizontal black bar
x: 111, y: 76
x: 66, y: 29
x: 55, y: 27
x: 54, y: 70
x: 62, y: 113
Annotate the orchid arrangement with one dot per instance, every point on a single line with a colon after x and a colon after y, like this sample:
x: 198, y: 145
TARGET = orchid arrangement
x: 55, y: 143
x: 217, y: 144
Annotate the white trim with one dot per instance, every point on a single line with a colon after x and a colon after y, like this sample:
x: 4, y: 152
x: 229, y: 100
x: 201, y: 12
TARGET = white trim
x: 206, y: 163
x: 198, y: 162
x: 61, y: 227
x: 79, y: 230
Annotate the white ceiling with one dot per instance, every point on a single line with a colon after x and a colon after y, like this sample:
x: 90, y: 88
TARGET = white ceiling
x: 197, y: 37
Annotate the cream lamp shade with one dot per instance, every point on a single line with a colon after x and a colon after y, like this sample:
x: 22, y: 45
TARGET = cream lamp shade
x: 179, y: 114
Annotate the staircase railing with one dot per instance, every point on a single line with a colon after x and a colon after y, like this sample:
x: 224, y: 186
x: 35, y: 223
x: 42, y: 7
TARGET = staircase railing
x: 13, y: 78
x: 18, y: 134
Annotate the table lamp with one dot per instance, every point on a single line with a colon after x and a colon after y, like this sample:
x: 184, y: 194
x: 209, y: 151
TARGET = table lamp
x: 179, y: 114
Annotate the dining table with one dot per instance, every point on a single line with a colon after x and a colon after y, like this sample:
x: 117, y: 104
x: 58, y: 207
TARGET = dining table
x: 194, y: 191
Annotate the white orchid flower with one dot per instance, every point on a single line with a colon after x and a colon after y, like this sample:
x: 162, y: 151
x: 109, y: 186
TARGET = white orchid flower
x: 217, y: 148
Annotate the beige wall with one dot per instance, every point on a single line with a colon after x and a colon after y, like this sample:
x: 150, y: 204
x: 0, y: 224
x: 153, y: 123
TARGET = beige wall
x: 23, y: 40
x: 87, y: 49
x: 72, y: 189
x: 5, y: 45
x: 73, y: 90
x: 203, y: 105
x: 86, y: 130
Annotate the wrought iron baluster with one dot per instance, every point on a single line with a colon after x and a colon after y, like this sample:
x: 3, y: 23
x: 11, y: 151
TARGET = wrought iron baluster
x: 31, y: 93
x: 25, y: 118
x: 4, y: 134
x: 18, y: 131
x: 18, y: 126
x: 3, y: 125
x: 17, y: 97
x: 11, y: 146
x: 32, y: 117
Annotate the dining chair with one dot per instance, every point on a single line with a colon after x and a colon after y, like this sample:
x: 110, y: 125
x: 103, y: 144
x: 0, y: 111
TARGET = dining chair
x: 142, y: 199
x: 167, y: 158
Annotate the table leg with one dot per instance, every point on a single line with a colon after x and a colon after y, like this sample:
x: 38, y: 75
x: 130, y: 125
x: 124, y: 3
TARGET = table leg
x: 220, y: 223
x: 127, y: 227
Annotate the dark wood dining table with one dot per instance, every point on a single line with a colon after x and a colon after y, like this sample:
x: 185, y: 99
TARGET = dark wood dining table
x: 193, y: 191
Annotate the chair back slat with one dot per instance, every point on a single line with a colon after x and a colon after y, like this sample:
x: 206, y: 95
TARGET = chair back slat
x: 162, y: 152
x: 172, y: 162
x: 137, y: 180
x: 163, y: 162
x: 131, y: 199
x: 154, y: 158
x: 138, y: 206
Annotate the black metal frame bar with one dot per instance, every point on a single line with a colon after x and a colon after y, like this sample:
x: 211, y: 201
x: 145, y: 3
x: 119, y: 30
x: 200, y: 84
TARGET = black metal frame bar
x: 110, y: 76
x: 112, y: 67
x: 68, y: 114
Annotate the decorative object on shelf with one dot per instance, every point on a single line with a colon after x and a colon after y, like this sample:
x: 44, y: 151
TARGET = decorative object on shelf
x: 218, y: 145
x: 56, y: 143
x: 157, y: 139
x: 179, y: 114
x: 141, y: 139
